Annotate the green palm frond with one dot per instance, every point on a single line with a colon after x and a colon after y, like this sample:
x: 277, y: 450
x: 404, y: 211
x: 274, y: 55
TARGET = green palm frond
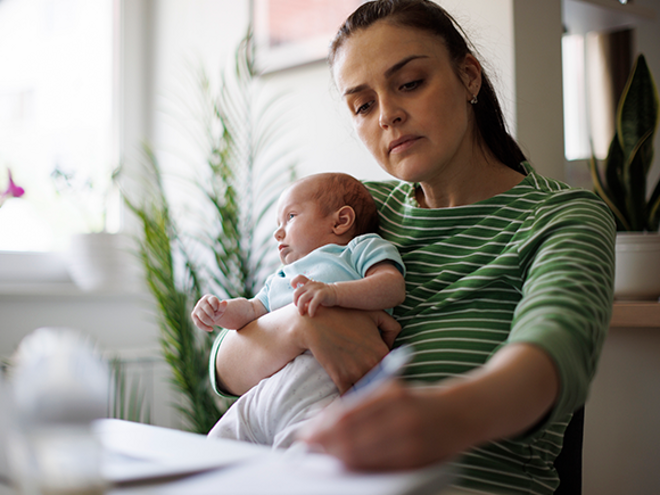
x: 182, y: 346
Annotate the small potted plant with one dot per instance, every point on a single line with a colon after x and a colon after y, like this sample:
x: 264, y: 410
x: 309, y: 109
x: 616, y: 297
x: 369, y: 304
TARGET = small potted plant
x: 624, y: 188
x: 97, y: 260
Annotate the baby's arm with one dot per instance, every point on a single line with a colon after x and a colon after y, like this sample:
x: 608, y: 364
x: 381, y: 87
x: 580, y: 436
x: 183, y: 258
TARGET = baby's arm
x: 382, y: 287
x: 232, y: 314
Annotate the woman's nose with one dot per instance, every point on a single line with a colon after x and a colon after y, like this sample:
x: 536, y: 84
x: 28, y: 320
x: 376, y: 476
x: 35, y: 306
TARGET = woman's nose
x: 391, y: 114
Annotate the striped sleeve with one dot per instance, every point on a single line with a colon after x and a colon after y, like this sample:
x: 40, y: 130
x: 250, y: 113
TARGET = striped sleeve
x: 568, y: 289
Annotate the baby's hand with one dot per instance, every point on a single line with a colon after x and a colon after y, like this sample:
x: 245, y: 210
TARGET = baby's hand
x: 207, y: 312
x: 309, y: 294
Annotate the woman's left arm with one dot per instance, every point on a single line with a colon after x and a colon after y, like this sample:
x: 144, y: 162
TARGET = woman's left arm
x: 506, y: 397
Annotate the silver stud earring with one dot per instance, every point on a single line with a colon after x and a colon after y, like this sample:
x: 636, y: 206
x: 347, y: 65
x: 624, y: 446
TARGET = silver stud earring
x: 474, y: 100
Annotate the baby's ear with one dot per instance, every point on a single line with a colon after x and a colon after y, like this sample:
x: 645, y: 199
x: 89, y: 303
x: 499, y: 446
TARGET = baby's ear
x: 344, y: 220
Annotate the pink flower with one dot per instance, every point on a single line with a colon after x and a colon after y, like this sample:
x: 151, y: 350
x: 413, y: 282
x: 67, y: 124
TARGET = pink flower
x: 13, y: 191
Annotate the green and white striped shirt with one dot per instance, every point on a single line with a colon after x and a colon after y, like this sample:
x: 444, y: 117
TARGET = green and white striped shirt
x: 534, y: 264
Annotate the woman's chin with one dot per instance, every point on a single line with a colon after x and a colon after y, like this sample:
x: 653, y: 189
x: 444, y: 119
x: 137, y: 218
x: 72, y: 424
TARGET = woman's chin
x: 408, y: 170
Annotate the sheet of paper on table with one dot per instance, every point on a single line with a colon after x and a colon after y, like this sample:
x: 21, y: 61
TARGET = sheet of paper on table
x: 136, y: 451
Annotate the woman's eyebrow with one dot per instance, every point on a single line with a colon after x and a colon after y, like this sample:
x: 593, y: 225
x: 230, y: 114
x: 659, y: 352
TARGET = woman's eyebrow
x: 388, y: 73
x: 400, y: 65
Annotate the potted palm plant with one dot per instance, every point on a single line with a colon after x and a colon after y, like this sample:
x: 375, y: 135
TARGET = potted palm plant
x: 624, y: 188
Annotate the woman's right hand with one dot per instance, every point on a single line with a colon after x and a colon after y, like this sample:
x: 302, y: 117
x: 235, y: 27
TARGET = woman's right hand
x: 346, y: 342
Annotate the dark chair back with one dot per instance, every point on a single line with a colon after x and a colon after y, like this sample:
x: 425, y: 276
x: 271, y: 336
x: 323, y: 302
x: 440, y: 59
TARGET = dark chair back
x: 569, y: 460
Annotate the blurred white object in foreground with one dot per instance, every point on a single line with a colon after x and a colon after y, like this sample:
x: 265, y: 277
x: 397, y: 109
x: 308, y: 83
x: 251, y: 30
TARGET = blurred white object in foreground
x: 60, y: 384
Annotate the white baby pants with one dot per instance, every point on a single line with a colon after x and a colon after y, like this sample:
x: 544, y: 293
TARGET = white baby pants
x: 277, y: 407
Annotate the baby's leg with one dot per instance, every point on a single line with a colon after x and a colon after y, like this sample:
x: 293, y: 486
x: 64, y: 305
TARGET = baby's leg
x: 272, y: 412
x: 289, y: 434
x: 235, y: 423
x: 307, y: 390
x: 234, y: 426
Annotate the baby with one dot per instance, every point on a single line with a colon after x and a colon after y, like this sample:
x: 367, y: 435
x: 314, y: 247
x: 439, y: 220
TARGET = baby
x: 331, y: 257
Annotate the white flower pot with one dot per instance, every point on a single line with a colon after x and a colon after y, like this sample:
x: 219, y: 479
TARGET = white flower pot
x: 637, y: 273
x: 104, y: 262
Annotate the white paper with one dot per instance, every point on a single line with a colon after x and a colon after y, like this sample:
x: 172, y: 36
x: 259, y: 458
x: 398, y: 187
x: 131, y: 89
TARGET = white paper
x: 134, y: 451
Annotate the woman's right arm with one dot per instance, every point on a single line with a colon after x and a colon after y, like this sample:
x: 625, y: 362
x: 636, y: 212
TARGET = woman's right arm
x: 347, y: 343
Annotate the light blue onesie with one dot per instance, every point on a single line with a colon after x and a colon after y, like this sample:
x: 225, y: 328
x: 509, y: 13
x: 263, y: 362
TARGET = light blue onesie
x: 329, y: 264
x: 272, y: 411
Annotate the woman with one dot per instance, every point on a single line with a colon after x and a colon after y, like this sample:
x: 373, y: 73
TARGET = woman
x: 509, y: 283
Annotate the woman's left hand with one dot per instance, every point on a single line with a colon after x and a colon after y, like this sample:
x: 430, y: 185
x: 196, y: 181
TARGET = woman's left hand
x: 396, y: 427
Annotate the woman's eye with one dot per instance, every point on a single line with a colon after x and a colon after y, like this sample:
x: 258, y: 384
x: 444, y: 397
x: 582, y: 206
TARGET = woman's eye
x: 362, y: 108
x: 411, y: 85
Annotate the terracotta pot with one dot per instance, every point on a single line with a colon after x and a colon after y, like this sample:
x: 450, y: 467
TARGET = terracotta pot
x: 637, y: 273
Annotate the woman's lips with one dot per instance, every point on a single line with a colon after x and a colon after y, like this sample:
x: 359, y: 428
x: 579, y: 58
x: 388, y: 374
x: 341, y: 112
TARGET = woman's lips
x: 402, y: 144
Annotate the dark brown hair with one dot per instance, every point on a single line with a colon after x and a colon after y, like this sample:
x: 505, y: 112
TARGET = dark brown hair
x: 430, y: 17
x: 336, y: 190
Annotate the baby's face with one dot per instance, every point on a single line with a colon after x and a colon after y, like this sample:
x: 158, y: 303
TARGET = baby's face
x: 302, y: 226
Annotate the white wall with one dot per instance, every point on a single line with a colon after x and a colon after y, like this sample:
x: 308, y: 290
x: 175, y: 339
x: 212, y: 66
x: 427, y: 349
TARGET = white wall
x: 539, y: 111
x: 188, y: 36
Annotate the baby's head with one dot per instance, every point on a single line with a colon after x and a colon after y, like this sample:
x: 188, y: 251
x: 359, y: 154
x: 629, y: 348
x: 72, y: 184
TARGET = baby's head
x: 329, y: 208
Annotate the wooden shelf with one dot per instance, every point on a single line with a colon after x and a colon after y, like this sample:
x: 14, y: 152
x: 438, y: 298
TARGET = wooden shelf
x: 642, y: 314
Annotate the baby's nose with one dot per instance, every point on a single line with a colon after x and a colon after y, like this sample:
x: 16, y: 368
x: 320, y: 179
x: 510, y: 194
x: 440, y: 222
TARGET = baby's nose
x: 278, y: 234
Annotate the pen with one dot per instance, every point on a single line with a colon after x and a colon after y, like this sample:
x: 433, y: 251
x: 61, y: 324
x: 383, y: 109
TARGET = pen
x: 390, y: 366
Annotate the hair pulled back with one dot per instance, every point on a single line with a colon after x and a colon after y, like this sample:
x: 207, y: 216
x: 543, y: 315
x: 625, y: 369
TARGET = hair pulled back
x: 430, y: 17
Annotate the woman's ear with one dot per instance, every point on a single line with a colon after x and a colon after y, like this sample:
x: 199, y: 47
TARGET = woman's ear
x: 471, y: 74
x: 344, y: 220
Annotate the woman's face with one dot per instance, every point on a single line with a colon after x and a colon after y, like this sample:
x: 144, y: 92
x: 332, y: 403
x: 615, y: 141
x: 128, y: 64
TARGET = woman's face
x: 408, y: 105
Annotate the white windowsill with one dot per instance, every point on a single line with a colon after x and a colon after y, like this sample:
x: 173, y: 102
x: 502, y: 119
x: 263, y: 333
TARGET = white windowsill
x: 63, y: 290
x: 45, y: 274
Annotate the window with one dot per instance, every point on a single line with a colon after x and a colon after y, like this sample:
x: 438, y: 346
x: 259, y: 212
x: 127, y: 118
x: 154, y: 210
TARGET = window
x: 576, y: 129
x: 56, y: 119
x: 595, y: 68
